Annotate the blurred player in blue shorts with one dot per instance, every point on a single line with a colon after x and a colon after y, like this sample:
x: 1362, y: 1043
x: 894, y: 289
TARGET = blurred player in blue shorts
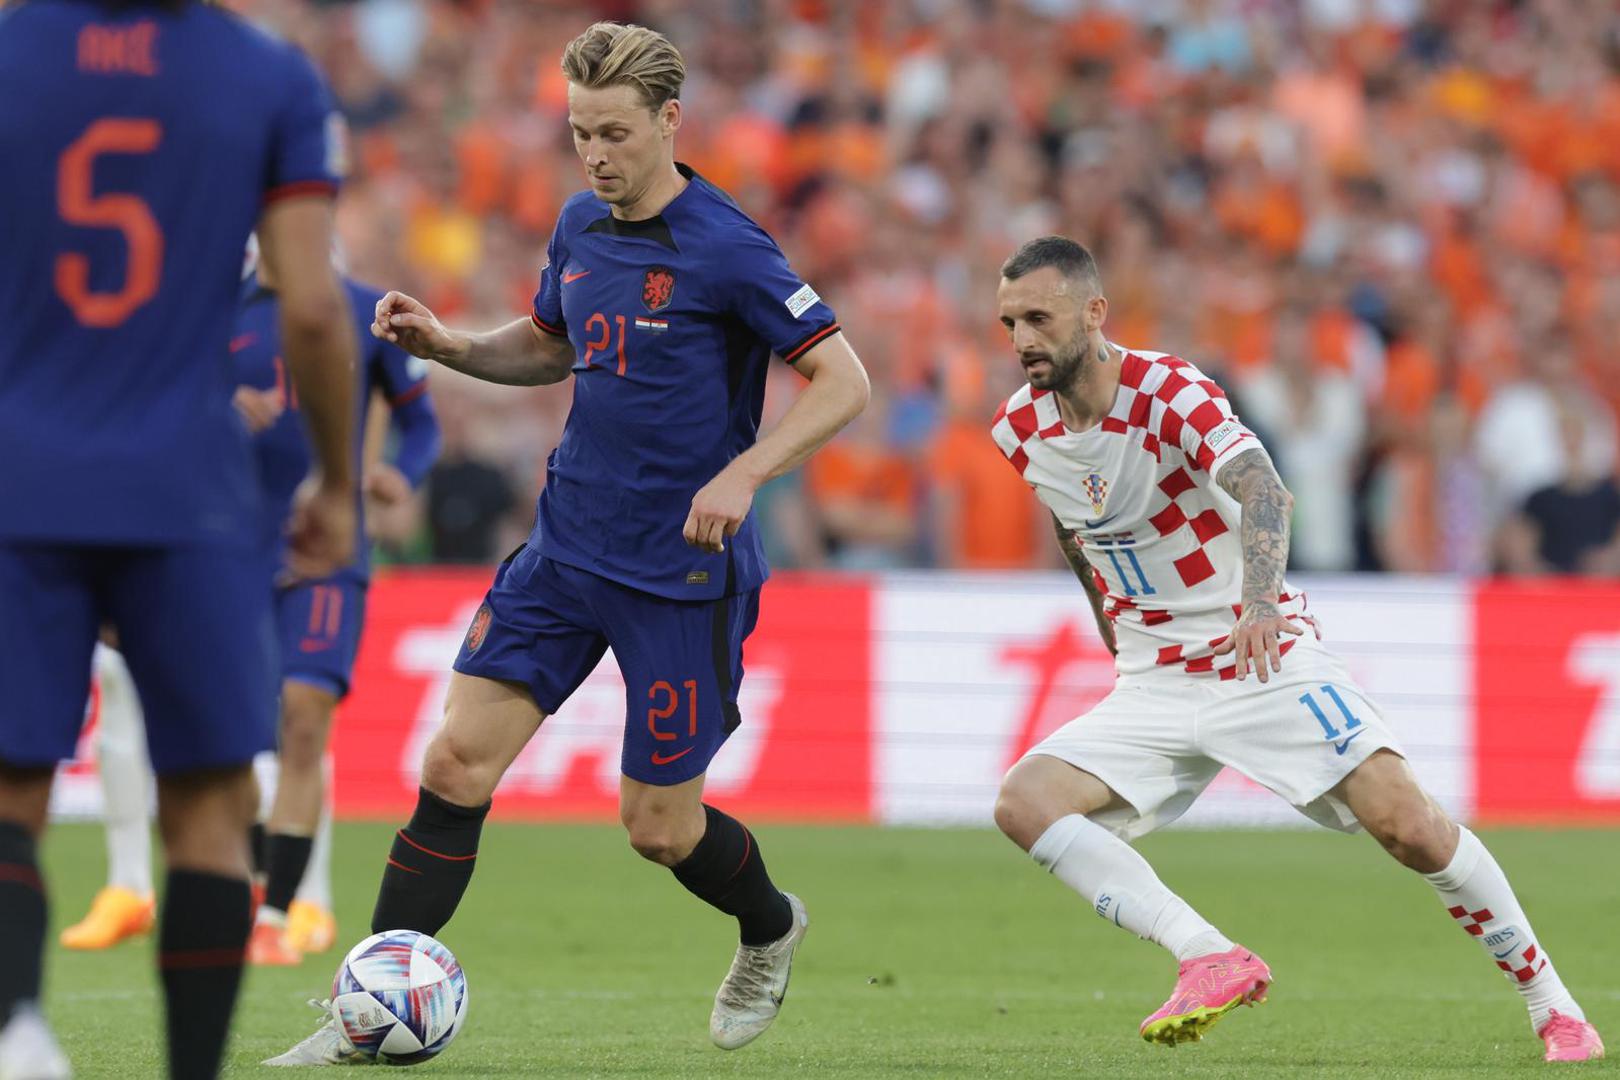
x: 319, y: 624
x: 319, y: 621
x: 155, y: 136
x: 664, y: 301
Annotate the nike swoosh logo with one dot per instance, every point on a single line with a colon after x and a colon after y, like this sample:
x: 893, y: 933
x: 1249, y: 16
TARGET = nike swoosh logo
x: 574, y: 276
x: 1502, y: 955
x: 1340, y: 748
x: 1100, y: 522
x: 660, y: 759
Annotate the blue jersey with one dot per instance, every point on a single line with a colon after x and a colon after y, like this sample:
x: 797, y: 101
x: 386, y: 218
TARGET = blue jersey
x: 283, y: 450
x: 140, y: 147
x: 673, y: 320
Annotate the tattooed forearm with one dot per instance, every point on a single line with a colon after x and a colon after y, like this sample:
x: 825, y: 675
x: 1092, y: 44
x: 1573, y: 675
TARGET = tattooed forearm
x: 1251, y: 480
x: 1076, y: 558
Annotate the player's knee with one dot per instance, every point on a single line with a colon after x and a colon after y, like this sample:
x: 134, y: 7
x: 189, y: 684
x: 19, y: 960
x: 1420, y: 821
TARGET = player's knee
x: 656, y: 841
x: 1417, y: 834
x: 304, y: 729
x: 453, y: 772
x: 1020, y: 811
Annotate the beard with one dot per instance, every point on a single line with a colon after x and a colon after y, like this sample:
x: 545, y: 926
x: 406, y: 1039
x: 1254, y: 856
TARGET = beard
x: 1063, y: 368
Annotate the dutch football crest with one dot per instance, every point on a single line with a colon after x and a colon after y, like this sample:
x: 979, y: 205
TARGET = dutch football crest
x: 479, y: 628
x: 1096, y: 489
x: 657, y: 288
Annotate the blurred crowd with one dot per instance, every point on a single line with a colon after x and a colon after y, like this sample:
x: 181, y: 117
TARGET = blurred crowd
x: 1390, y: 228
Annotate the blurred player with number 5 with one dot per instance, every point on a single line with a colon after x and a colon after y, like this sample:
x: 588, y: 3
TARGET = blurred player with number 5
x: 155, y: 137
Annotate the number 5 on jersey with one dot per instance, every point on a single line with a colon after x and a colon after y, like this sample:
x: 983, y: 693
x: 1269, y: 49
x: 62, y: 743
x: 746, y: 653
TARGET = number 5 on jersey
x: 78, y: 204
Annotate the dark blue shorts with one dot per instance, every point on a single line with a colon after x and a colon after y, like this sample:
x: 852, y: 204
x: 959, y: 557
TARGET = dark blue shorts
x: 193, y: 624
x: 319, y: 624
x: 546, y: 625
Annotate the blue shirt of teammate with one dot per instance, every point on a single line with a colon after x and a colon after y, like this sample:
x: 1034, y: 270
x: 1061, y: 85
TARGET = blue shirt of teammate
x: 122, y: 230
x: 673, y: 320
x: 283, y: 452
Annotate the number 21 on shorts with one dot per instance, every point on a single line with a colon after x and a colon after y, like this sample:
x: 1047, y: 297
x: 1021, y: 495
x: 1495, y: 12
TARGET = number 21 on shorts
x: 1339, y: 739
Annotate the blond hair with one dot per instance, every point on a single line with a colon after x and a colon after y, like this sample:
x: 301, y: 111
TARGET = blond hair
x: 616, y: 54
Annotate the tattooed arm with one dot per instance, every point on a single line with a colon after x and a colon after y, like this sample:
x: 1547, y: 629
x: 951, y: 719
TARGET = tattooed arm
x: 1070, y: 543
x: 1254, y: 483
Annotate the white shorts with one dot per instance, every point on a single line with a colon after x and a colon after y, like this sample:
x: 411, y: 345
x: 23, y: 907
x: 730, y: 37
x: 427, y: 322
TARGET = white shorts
x: 1161, y: 736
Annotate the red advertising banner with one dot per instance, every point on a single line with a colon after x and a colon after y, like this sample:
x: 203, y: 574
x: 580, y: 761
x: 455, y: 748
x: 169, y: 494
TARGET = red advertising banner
x: 1547, y: 702
x: 804, y: 749
x: 902, y: 699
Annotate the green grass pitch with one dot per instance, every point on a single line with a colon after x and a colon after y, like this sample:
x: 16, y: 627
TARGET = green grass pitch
x: 931, y: 954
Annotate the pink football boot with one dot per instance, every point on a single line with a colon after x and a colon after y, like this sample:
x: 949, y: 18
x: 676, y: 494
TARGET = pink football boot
x: 1207, y: 988
x: 1569, y: 1039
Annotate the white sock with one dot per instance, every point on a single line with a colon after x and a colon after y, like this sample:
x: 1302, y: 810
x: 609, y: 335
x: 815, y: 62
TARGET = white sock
x: 1123, y: 888
x: 126, y: 777
x: 316, y: 888
x: 267, y: 771
x: 1478, y: 896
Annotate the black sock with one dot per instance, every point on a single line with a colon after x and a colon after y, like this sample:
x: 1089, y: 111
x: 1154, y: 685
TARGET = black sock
x: 285, y: 859
x: 205, y: 929
x: 429, y: 867
x: 257, y: 843
x: 22, y: 913
x: 727, y: 871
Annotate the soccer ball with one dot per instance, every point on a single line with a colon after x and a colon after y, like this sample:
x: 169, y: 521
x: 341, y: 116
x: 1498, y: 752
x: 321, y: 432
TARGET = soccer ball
x: 399, y: 997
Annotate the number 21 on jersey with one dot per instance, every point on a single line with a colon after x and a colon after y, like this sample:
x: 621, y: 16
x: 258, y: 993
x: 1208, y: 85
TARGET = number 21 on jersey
x: 598, y: 324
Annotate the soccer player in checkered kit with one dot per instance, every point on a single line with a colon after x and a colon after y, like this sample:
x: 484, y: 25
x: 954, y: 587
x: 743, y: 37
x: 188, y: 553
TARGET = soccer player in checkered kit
x: 1171, y: 515
x: 664, y: 302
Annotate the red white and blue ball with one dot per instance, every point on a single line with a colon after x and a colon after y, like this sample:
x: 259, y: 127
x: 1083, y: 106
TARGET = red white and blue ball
x: 399, y: 997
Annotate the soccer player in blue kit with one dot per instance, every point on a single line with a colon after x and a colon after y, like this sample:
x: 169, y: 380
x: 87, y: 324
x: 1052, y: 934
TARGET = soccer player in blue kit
x: 664, y: 301
x: 318, y: 621
x: 143, y: 141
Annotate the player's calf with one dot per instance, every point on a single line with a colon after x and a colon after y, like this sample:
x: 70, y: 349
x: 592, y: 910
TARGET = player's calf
x: 718, y: 860
x: 430, y: 865
x: 486, y: 723
x: 1387, y: 800
x: 22, y: 913
x: 306, y: 719
x: 205, y: 921
x: 726, y: 870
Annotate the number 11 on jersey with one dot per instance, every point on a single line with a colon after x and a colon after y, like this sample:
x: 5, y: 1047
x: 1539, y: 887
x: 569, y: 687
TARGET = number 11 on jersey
x: 1143, y: 589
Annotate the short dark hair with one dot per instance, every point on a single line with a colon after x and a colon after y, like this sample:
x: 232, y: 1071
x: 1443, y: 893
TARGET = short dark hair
x: 1072, y: 260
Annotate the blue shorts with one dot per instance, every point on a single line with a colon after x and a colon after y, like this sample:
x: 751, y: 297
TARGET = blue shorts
x: 319, y: 625
x: 193, y: 624
x: 546, y: 625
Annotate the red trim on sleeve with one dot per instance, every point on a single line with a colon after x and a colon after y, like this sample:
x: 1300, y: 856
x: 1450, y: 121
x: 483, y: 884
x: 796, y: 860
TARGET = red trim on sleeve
x: 300, y: 187
x: 814, y: 339
x: 547, y: 327
x: 408, y: 396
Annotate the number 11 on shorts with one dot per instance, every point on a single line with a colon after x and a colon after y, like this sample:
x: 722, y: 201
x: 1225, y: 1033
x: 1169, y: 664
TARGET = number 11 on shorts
x: 1351, y: 721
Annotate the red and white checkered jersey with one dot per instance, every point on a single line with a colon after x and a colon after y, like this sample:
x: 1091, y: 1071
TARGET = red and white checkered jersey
x: 1139, y: 489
